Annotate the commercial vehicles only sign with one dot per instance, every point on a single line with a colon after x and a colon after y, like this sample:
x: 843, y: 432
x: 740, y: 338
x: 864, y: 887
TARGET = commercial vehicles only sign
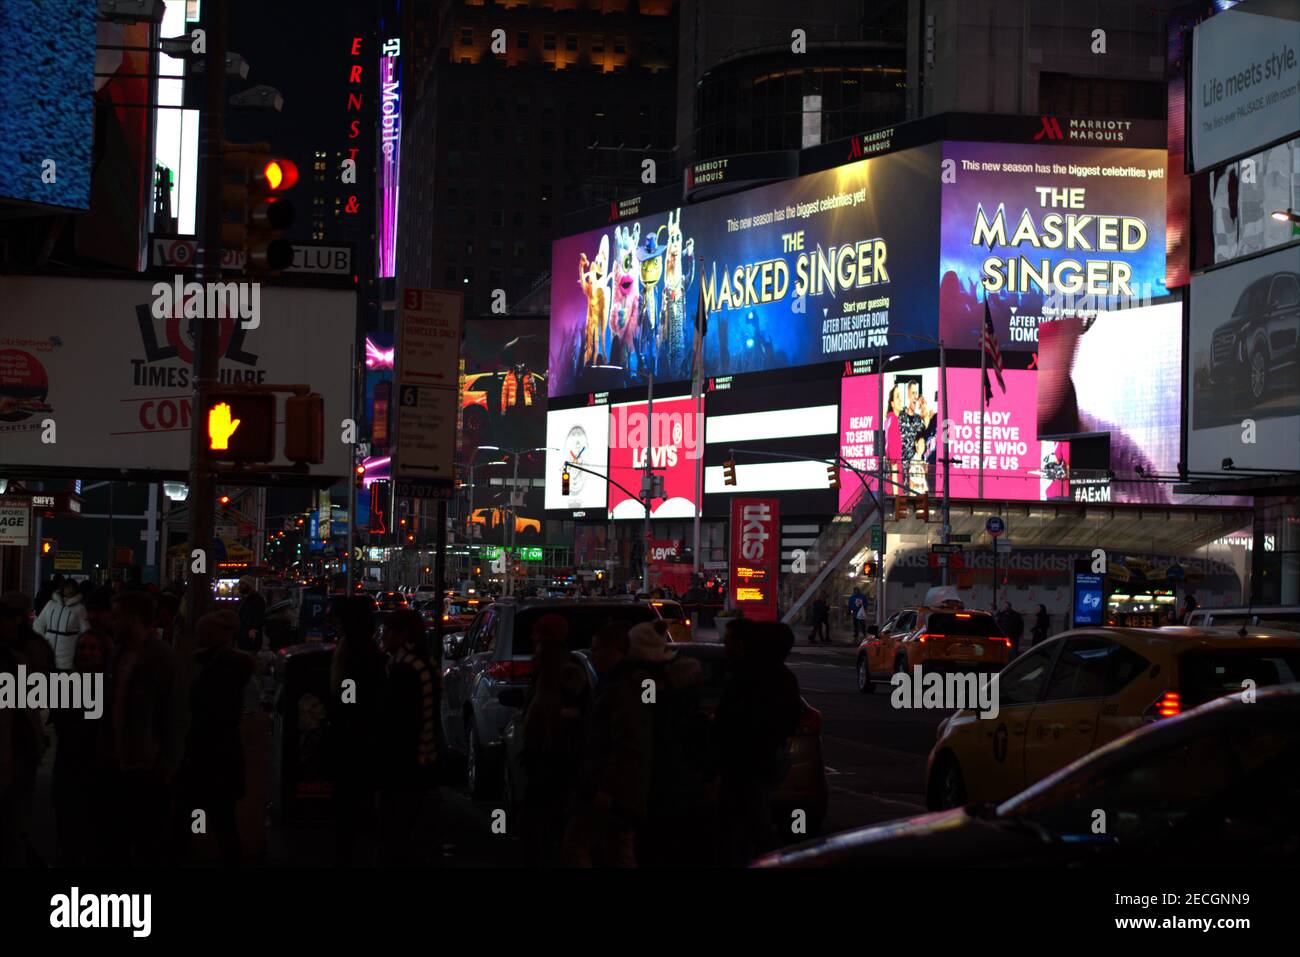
x: 427, y: 380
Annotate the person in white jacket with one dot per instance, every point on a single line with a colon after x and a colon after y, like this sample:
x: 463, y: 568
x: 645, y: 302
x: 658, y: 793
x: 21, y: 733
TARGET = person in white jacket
x: 61, y: 623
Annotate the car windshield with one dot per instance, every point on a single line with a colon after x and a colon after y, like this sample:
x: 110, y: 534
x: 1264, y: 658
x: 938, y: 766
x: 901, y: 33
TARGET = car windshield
x: 963, y: 623
x: 1205, y: 675
x: 1254, y: 298
x: 670, y: 611
x: 584, y: 621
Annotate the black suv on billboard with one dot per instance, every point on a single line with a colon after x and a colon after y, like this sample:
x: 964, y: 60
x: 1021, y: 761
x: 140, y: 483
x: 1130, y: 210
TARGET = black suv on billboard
x: 1248, y: 351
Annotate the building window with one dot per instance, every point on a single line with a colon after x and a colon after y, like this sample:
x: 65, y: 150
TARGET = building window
x: 518, y: 218
x: 620, y: 44
x: 494, y: 277
x: 548, y: 41
x: 570, y: 41
x: 597, y: 46
x: 467, y: 36
x: 449, y: 275
x: 494, y: 248
x: 469, y: 275
x: 522, y: 40
x: 498, y: 219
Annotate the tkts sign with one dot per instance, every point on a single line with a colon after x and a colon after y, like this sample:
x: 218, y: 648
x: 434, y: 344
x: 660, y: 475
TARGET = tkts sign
x: 755, y: 556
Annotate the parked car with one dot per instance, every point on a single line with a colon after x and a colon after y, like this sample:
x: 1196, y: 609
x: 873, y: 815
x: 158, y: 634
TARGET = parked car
x: 1260, y: 616
x: 941, y: 638
x: 1084, y: 688
x: 1217, y: 786
x: 1250, y: 352
x: 803, y: 788
x: 496, y: 652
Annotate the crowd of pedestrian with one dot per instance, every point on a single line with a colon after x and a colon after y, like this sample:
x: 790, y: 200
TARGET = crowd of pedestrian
x: 640, y: 770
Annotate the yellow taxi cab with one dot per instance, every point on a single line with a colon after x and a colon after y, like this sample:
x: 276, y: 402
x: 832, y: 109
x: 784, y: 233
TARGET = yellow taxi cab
x: 1084, y: 688
x: 679, y: 626
x: 944, y: 637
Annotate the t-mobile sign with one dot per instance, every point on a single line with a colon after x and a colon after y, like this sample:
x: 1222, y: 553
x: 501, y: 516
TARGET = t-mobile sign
x: 675, y: 438
x: 755, y: 556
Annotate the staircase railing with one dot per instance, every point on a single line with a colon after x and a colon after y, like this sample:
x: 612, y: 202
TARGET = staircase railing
x: 831, y: 550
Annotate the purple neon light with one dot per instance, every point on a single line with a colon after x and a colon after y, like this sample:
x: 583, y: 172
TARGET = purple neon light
x: 390, y: 161
x: 377, y: 358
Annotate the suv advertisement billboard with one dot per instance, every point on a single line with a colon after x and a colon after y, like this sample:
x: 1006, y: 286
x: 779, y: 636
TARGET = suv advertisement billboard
x: 1243, y: 347
x: 1045, y: 229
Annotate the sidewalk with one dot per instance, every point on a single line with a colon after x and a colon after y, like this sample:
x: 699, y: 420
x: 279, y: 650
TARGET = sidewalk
x: 843, y: 644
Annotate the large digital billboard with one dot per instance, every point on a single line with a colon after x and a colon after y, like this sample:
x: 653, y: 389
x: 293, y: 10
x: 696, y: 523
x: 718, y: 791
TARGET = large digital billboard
x: 815, y: 269
x: 1016, y: 465
x: 1243, y: 346
x: 47, y: 130
x: 674, y: 432
x: 623, y: 303
x: 1024, y: 223
x: 113, y: 381
x: 820, y: 268
x: 577, y: 437
x: 503, y: 395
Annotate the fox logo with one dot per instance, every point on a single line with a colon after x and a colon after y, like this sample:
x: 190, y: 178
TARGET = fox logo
x: 1051, y: 129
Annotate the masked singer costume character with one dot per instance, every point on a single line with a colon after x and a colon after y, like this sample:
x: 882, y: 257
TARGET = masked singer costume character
x: 677, y: 280
x: 651, y: 256
x: 517, y: 387
x: 595, y: 286
x: 625, y: 304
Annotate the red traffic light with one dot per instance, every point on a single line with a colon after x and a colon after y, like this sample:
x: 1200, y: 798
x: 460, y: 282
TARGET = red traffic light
x: 280, y: 174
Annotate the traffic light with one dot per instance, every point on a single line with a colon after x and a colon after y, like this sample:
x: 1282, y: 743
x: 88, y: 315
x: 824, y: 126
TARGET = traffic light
x: 729, y: 472
x: 241, y: 426
x: 900, y: 508
x: 47, y: 546
x: 224, y: 500
x: 923, y: 508
x: 564, y: 482
x: 833, y: 476
x: 304, y: 428
x: 254, y: 210
x: 868, y: 569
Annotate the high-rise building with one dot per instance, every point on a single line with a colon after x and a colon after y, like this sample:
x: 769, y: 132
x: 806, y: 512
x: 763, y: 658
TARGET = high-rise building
x: 516, y: 113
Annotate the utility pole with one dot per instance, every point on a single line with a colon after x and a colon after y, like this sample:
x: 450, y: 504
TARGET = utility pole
x: 352, y: 481
x: 510, y: 532
x: 878, y: 440
x: 204, y: 332
x: 648, y: 478
x: 943, y: 423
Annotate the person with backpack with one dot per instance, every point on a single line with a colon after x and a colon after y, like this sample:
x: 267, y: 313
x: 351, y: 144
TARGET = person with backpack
x: 857, y: 612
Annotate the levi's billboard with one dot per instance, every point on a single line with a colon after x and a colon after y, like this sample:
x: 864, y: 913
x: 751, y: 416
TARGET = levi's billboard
x: 114, y: 381
x: 755, y: 556
x: 674, y: 433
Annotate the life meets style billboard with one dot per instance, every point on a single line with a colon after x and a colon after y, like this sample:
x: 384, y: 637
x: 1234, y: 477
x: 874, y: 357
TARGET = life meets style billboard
x: 1045, y: 230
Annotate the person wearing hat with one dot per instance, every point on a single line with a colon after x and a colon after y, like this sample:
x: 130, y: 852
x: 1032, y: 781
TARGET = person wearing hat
x: 252, y: 615
x: 651, y: 257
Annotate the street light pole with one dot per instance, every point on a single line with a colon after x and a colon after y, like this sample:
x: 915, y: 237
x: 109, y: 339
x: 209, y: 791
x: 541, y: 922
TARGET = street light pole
x: 510, y: 533
x: 204, y: 330
x: 943, y: 428
x: 878, y: 440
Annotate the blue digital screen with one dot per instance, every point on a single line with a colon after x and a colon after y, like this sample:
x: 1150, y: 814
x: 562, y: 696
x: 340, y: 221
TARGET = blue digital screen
x: 47, y: 81
x: 1089, y: 599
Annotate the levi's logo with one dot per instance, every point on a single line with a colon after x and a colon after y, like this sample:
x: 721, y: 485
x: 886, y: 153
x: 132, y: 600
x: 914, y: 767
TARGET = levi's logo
x: 1051, y: 129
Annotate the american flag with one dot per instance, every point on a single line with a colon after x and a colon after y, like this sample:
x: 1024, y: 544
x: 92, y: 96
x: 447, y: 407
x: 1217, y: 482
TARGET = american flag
x: 989, y: 342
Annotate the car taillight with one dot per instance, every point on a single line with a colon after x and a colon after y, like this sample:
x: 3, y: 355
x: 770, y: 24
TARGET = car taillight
x: 1167, y: 705
x: 688, y: 623
x: 1006, y: 641
x: 922, y: 638
x: 810, y: 722
x: 509, y: 670
x: 446, y: 617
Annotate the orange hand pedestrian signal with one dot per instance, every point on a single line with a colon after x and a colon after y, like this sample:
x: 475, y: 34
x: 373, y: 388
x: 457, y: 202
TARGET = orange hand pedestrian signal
x: 221, y: 426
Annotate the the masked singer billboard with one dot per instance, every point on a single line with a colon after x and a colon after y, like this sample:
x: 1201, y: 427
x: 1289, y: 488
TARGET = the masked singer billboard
x: 820, y: 268
x: 1046, y: 229
x: 623, y: 303
x: 816, y: 269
